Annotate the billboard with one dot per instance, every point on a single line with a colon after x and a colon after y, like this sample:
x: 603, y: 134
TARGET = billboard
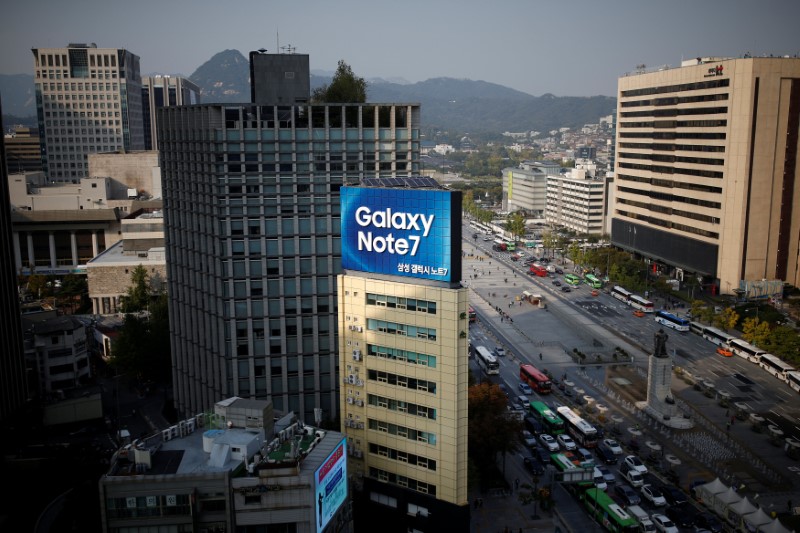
x: 330, y: 485
x: 413, y: 233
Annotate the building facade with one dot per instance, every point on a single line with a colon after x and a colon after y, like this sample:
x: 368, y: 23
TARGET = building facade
x: 58, y: 351
x: 403, y: 336
x: 252, y: 231
x: 88, y: 100
x: 577, y: 201
x: 163, y: 91
x: 706, y: 169
x: 525, y: 187
x: 23, y: 150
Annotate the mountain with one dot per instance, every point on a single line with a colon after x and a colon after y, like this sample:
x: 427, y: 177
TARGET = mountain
x: 456, y: 105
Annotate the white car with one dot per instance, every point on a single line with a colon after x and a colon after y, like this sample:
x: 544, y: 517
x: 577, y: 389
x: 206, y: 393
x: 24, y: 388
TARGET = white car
x: 654, y: 495
x: 567, y: 442
x: 548, y: 442
x: 528, y: 438
x: 635, y: 462
x: 525, y: 388
x: 664, y: 524
x: 613, y: 446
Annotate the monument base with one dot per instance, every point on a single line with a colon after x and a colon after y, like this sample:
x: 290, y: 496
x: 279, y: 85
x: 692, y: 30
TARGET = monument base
x: 674, y: 422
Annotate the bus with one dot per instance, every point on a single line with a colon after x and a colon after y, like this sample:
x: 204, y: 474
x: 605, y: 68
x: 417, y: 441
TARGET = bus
x: 552, y: 423
x: 592, y: 281
x: 582, y: 431
x: 537, y: 380
x: 775, y: 366
x: 637, y: 302
x: 608, y: 513
x: 473, y: 316
x: 671, y: 321
x: 487, y: 361
x: 511, y: 246
x: 621, y: 294
x: 745, y: 350
x: 572, y: 279
x: 538, y: 270
x: 480, y: 226
x: 716, y: 336
x: 499, y: 245
x: 793, y: 379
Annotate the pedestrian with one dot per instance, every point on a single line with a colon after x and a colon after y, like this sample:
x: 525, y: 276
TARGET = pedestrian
x: 540, y: 356
x: 516, y: 483
x: 728, y: 426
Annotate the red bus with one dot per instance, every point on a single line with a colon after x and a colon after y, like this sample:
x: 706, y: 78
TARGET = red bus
x: 473, y: 316
x: 537, y: 380
x: 538, y: 270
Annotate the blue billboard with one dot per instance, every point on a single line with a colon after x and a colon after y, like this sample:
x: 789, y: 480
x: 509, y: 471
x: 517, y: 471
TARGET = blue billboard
x: 414, y: 233
x: 330, y: 484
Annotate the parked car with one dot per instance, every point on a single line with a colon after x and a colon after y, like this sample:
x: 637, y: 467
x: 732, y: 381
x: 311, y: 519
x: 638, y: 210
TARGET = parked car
x: 635, y: 462
x: 707, y: 521
x: 549, y: 442
x: 528, y: 438
x: 605, y: 454
x: 653, y: 495
x: 627, y: 494
x: 533, y: 465
x: 525, y: 388
x: 682, y: 515
x: 664, y: 524
x: 613, y: 446
x: 566, y: 441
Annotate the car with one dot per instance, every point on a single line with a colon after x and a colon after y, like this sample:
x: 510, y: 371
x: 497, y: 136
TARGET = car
x: 585, y: 456
x: 533, y: 465
x: 566, y: 441
x: 522, y: 253
x: 605, y: 454
x: 627, y: 494
x: 599, y: 481
x: 673, y: 495
x: 542, y: 454
x: 635, y: 462
x: 723, y: 351
x: 487, y: 238
x: 549, y: 442
x: 652, y: 494
x: 499, y: 351
x: 664, y: 524
x: 638, y: 313
x: 608, y: 475
x: 565, y: 289
x: 708, y: 522
x: 525, y: 388
x: 595, y: 292
x: 556, y: 283
x: 631, y: 475
x: 613, y: 445
x: 523, y: 400
x: 682, y: 515
x: 533, y: 425
x: 544, y: 260
x: 559, y: 271
x: 528, y: 438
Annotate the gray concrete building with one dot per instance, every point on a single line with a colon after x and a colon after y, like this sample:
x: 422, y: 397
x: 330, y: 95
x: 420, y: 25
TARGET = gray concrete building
x: 163, y: 91
x: 525, y: 187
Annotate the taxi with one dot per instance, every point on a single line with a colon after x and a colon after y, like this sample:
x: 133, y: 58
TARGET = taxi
x: 638, y: 313
x: 595, y: 292
x: 724, y: 351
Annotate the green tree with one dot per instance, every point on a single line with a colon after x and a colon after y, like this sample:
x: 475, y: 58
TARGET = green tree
x: 516, y: 226
x: 142, y: 348
x: 727, y: 319
x: 491, y: 430
x: 755, y: 332
x: 345, y: 88
x: 784, y: 342
x: 138, y: 296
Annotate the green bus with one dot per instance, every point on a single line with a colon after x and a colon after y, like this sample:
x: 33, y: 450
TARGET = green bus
x: 511, y: 246
x: 553, y: 424
x: 592, y: 281
x: 572, y: 279
x: 608, y: 513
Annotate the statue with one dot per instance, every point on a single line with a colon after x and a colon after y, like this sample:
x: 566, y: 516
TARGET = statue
x: 660, y: 344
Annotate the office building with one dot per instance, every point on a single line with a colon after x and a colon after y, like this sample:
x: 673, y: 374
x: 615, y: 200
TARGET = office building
x: 163, y: 91
x: 251, y: 201
x: 88, y: 100
x: 279, y: 78
x: 23, y: 150
x: 403, y: 333
x: 13, y: 375
x: 706, y: 169
x: 576, y: 200
x: 525, y: 187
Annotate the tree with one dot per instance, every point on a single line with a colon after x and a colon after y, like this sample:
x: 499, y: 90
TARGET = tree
x: 516, y: 226
x: 142, y: 348
x: 784, y: 342
x: 727, y: 319
x: 138, y: 296
x: 491, y: 430
x: 345, y: 88
x: 755, y: 332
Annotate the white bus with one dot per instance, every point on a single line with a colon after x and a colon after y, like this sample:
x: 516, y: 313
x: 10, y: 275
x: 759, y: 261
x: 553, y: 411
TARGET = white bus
x: 621, y: 294
x: 745, y: 350
x: 487, y: 361
x: 775, y: 366
x: 793, y: 379
x: 637, y: 302
x: 716, y: 336
x: 696, y: 327
x: 671, y: 321
x: 582, y: 431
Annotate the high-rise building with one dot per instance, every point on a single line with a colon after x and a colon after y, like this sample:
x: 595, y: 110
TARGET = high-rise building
x: 23, y: 150
x: 525, y: 186
x: 706, y: 179
x: 403, y: 333
x: 576, y: 200
x: 251, y: 204
x: 163, y: 91
x: 13, y: 376
x: 88, y: 99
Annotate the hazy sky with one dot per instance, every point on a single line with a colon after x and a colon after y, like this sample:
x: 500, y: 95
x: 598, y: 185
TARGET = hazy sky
x: 564, y: 47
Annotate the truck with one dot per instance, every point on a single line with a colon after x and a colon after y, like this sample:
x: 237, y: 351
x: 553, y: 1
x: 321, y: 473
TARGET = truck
x: 645, y: 524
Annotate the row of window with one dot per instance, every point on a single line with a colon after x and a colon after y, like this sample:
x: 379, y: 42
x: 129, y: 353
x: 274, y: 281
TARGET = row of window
x: 403, y: 481
x: 673, y: 147
x: 664, y: 158
x: 59, y: 74
x: 406, y: 330
x: 401, y: 406
x: 721, y: 135
x: 396, y: 302
x: 671, y: 197
x: 663, y: 124
x: 667, y: 224
x: 696, y: 86
x: 657, y: 208
x: 672, y: 170
x: 404, y: 356
x: 656, y: 182
x: 402, y: 381
x: 401, y: 431
x: 675, y: 100
x: 403, y: 457
x: 676, y: 112
x: 143, y: 506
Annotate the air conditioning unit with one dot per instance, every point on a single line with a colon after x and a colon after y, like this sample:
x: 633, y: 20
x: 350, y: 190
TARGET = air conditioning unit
x: 351, y: 379
x: 360, y: 329
x: 360, y: 382
x: 356, y: 355
x: 200, y: 420
x: 166, y: 434
x: 349, y: 399
x: 360, y: 403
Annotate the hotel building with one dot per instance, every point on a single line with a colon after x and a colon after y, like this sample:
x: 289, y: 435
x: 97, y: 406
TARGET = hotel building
x: 403, y: 332
x: 88, y: 100
x: 706, y: 169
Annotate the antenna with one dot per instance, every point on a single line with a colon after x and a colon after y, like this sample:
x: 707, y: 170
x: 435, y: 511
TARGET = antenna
x: 289, y: 49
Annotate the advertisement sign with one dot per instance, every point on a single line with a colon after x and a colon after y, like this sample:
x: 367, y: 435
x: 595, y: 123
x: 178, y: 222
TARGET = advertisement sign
x: 402, y: 232
x: 330, y: 484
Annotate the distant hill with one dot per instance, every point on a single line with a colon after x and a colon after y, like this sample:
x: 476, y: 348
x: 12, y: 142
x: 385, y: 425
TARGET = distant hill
x: 457, y: 105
